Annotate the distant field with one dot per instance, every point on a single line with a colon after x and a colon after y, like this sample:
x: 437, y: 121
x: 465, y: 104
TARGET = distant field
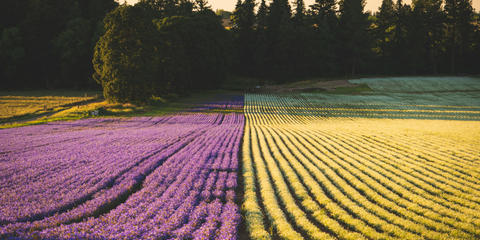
x: 37, y: 107
x: 14, y: 105
x: 421, y: 84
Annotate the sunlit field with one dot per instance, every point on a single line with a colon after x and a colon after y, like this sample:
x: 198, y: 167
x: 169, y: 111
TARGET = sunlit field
x: 15, y: 105
x: 372, y: 166
x: 376, y: 162
x: 250, y: 119
x: 127, y: 178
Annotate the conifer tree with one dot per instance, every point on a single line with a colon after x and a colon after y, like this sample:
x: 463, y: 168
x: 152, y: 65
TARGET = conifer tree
x: 385, y: 23
x: 299, y: 16
x: 279, y: 34
x: 303, y: 42
x: 399, y: 43
x: 262, y: 15
x: 354, y: 37
x: 244, y: 21
x: 280, y: 14
x: 325, y: 10
x: 261, y: 45
x: 426, y: 32
x: 460, y: 29
x: 202, y: 5
x: 325, y: 23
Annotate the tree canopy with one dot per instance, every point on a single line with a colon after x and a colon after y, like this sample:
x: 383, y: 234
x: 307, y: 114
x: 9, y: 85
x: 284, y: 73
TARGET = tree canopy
x: 162, y: 47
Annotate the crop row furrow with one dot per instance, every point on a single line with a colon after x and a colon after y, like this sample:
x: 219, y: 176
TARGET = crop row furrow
x: 410, y: 165
x: 298, y: 177
x: 448, y: 162
x: 390, y: 192
x: 360, y: 188
x: 272, y: 206
x: 377, y: 165
x: 284, y: 193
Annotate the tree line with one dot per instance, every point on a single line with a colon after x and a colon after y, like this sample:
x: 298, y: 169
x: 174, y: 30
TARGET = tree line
x: 49, y: 43
x: 338, y: 38
x: 160, y: 47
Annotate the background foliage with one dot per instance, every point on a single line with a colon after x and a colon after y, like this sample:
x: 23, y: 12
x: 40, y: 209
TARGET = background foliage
x: 171, y: 47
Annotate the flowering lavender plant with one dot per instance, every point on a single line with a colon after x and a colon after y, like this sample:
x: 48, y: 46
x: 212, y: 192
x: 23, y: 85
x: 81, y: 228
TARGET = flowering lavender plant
x: 139, y: 178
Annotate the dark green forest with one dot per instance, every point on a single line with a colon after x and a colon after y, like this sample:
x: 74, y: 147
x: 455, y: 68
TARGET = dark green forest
x: 160, y: 47
x: 49, y: 43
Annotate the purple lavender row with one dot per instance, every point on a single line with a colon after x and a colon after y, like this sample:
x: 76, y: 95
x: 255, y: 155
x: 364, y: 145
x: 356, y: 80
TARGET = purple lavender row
x: 229, y: 103
x: 54, y: 176
x: 121, y: 184
x: 171, y: 203
x: 19, y: 139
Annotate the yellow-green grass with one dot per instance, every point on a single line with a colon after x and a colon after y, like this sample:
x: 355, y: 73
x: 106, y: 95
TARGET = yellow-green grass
x: 315, y: 177
x: 30, y: 104
x: 38, y: 107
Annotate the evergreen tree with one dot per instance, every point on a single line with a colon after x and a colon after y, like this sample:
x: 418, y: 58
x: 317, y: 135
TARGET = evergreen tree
x: 460, y: 18
x: 202, y: 5
x: 325, y: 11
x: 279, y: 35
x: 399, y: 44
x: 74, y: 48
x: 299, y: 16
x: 426, y: 33
x: 354, y: 35
x: 168, y: 8
x: 12, y: 13
x: 244, y: 21
x: 162, y: 8
x: 12, y: 54
x: 262, y: 16
x: 325, y: 35
x: 56, y: 38
x: 385, y: 25
x: 202, y: 46
x: 473, y: 56
x: 261, y: 42
x: 302, y: 44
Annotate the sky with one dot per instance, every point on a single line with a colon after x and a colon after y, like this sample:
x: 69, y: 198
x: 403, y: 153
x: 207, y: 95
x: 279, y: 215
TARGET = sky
x: 372, y: 5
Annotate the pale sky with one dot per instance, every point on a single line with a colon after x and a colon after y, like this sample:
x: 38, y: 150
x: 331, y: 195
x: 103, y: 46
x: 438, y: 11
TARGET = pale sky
x: 372, y: 5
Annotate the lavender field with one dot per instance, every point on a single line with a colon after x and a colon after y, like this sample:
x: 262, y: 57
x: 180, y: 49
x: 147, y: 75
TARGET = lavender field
x: 377, y: 165
x: 138, y: 178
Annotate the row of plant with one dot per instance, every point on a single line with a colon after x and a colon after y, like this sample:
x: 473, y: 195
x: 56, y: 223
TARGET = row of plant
x: 383, y: 190
x: 53, y: 177
x: 189, y: 196
x: 84, y: 171
x: 317, y: 177
x: 321, y: 105
x: 231, y: 103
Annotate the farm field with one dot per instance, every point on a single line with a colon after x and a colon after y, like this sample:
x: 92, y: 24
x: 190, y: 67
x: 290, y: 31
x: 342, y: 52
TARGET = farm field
x: 18, y: 105
x: 312, y: 175
x: 377, y: 162
x: 136, y: 178
x: 25, y: 108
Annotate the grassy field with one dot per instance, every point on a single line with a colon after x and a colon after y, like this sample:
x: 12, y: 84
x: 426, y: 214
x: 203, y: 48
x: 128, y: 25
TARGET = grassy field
x: 37, y: 107
x: 30, y: 104
x: 421, y: 84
